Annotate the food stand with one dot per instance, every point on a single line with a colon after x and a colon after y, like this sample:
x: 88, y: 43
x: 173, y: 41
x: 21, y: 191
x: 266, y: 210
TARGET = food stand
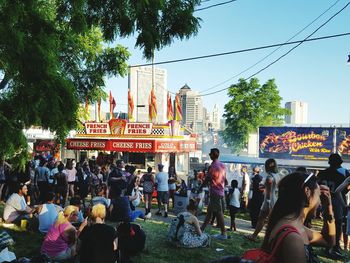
x: 141, y: 144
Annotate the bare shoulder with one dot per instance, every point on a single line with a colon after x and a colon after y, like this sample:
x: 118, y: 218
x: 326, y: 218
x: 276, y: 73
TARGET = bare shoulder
x: 293, y: 244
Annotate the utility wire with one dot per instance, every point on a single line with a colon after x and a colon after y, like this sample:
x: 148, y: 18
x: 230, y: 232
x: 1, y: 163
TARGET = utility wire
x: 214, y: 5
x: 289, y: 51
x: 241, y: 50
x: 271, y: 53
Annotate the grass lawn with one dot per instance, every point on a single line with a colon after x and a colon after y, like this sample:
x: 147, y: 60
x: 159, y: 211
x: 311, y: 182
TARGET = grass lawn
x: 158, y: 249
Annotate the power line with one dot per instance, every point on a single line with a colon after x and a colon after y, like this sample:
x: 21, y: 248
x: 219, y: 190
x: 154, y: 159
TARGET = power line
x: 289, y: 51
x: 214, y: 5
x: 241, y: 50
x: 271, y: 53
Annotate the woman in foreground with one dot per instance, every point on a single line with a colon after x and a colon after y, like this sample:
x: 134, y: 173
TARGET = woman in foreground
x: 299, y: 197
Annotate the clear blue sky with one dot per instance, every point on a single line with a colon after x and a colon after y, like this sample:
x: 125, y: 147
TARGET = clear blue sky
x: 315, y: 72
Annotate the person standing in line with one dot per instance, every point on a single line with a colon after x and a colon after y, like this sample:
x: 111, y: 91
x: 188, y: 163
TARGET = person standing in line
x: 71, y: 177
x: 172, y: 183
x: 245, y: 188
x: 257, y: 197
x: 270, y: 185
x: 216, y: 177
x: 147, y: 181
x: 41, y: 179
x: 117, y: 179
x: 233, y: 203
x: 333, y: 178
x: 163, y: 190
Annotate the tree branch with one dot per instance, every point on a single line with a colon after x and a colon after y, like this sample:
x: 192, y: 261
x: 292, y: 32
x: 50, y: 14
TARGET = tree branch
x: 4, y: 82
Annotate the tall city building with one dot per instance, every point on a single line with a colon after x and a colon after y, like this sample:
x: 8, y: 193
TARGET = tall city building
x: 140, y: 84
x: 192, y: 108
x: 215, y: 118
x: 299, y: 112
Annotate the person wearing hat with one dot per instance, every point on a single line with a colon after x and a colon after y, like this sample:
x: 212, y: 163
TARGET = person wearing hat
x: 333, y: 177
x: 163, y: 190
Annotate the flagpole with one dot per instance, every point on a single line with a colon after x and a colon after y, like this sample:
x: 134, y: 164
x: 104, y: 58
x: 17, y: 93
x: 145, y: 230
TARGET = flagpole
x: 153, y: 72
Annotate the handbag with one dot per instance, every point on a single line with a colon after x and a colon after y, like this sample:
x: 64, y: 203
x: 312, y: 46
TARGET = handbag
x: 258, y: 255
x: 5, y: 240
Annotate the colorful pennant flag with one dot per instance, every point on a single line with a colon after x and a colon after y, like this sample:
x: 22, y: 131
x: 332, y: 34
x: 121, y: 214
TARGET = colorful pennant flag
x: 178, y: 110
x: 170, y: 112
x: 130, y: 106
x: 152, y: 105
x: 99, y: 109
x: 112, y: 105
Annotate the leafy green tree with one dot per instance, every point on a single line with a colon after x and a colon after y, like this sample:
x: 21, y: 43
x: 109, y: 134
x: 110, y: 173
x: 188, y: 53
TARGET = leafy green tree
x: 56, y: 53
x: 251, y: 105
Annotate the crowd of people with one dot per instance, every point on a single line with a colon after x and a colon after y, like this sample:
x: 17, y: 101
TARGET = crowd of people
x: 56, y: 194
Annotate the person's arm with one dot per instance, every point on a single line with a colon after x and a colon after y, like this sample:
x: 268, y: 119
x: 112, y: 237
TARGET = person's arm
x: 340, y: 189
x: 327, y: 236
x: 194, y: 221
x: 70, y: 235
x: 293, y: 244
x: 134, y: 197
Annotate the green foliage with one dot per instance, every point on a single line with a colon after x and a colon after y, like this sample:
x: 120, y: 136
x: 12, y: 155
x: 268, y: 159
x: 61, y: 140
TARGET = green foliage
x: 53, y: 55
x: 251, y: 106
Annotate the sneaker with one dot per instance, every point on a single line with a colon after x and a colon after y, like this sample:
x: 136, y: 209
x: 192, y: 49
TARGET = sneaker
x: 148, y: 215
x: 334, y: 254
x: 159, y: 213
x: 165, y: 214
x: 220, y: 236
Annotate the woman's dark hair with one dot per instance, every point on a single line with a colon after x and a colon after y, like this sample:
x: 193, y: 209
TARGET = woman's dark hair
x: 60, y: 167
x: 149, y: 169
x: 271, y: 166
x: 291, y: 200
x: 234, y: 184
x: 192, y: 205
x: 170, y: 168
x: 69, y: 164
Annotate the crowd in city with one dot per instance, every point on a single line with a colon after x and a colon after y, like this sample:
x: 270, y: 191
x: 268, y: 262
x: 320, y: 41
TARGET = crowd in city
x: 70, y: 203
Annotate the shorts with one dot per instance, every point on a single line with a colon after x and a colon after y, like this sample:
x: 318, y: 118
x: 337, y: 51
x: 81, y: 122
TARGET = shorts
x: 216, y: 204
x: 163, y: 197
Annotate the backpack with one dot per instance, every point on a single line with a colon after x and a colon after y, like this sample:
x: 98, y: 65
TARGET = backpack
x: 176, y: 228
x: 258, y: 255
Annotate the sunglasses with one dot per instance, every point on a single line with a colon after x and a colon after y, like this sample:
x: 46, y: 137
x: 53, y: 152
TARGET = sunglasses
x: 307, y: 179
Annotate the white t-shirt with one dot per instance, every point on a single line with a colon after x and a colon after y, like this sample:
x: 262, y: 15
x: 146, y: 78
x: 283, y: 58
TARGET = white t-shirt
x: 235, y: 198
x: 246, y: 180
x: 162, y: 181
x: 14, y: 207
x: 71, y: 175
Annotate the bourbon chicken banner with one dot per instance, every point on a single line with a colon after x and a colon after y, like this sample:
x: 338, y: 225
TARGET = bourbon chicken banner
x: 299, y: 143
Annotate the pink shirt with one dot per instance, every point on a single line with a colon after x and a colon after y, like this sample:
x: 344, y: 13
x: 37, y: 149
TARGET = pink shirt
x: 217, y: 173
x: 71, y: 175
x: 54, y: 242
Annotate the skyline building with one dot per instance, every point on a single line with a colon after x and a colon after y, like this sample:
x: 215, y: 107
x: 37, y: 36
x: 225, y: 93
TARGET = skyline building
x: 215, y: 118
x: 299, y: 112
x: 192, y: 108
x: 140, y: 85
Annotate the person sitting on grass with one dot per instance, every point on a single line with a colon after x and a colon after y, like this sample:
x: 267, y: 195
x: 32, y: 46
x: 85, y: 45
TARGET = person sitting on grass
x: 299, y: 196
x: 76, y: 201
x: 193, y: 236
x: 91, y: 251
x: 47, y: 213
x: 60, y: 241
x: 16, y: 207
